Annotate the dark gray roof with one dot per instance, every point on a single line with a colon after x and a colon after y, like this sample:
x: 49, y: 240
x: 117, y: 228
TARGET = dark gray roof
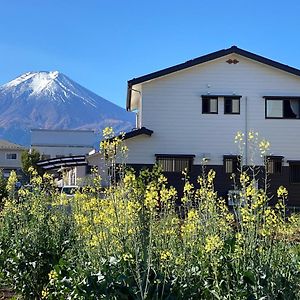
x: 134, y: 132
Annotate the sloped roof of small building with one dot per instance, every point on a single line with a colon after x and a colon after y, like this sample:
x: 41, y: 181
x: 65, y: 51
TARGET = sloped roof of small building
x: 68, y: 161
x: 6, y: 145
x: 133, y: 133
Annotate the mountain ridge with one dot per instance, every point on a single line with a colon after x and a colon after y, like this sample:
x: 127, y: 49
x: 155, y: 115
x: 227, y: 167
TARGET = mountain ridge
x: 51, y: 100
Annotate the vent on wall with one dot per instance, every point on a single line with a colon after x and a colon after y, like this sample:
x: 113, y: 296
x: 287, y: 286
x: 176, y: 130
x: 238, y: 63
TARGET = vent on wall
x: 232, y: 61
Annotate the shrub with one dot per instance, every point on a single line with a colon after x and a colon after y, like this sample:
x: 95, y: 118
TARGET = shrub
x: 35, y: 233
x: 130, y: 240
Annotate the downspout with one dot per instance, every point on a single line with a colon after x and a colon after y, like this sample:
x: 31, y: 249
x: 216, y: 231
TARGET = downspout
x: 246, y: 130
x: 139, y: 112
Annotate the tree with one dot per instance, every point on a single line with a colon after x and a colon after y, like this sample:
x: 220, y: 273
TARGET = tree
x: 29, y: 158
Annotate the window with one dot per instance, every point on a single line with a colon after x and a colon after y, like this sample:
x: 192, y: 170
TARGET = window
x: 88, y: 169
x: 11, y: 155
x: 209, y: 105
x: 282, y: 107
x: 6, y: 173
x: 231, y: 163
x: 295, y: 172
x: 231, y: 105
x: 274, y: 164
x: 174, y: 163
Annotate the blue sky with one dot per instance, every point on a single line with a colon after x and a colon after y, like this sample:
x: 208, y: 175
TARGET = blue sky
x: 102, y: 44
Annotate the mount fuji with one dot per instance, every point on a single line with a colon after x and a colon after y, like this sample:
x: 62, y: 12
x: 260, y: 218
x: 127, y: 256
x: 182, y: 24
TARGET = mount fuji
x: 51, y: 100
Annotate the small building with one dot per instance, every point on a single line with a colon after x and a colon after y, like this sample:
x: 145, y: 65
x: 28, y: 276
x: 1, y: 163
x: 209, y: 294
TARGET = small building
x: 63, y: 152
x: 66, y: 170
x: 10, y: 157
x: 76, y: 170
x: 62, y: 143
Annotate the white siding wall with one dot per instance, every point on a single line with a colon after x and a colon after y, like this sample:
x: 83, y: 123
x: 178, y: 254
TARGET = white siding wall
x: 97, y: 160
x: 64, y: 151
x: 172, y: 108
x: 62, y: 142
x: 62, y: 137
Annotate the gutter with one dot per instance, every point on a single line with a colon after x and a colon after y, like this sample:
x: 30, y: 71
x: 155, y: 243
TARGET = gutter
x: 128, y: 99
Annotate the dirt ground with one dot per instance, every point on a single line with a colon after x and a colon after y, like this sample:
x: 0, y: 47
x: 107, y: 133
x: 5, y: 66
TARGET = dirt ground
x: 6, y: 294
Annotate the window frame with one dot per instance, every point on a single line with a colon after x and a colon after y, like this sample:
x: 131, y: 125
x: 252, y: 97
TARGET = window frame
x: 235, y: 159
x: 88, y: 169
x: 176, y: 157
x: 275, y: 159
x: 232, y: 98
x: 208, y: 98
x: 11, y: 153
x: 280, y: 98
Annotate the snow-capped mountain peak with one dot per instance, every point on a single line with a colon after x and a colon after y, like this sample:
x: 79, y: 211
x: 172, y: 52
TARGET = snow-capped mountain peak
x: 37, y: 77
x: 43, y: 81
x: 18, y: 80
x: 39, y: 84
x: 53, y: 86
x: 52, y: 100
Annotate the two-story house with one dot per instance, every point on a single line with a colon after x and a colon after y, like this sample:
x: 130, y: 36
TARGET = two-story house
x: 193, y: 111
x: 10, y: 157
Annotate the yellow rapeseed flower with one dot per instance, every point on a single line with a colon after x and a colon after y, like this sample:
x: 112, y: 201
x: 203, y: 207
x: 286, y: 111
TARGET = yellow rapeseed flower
x: 45, y: 293
x: 244, y: 178
x: 165, y: 255
x: 213, y: 243
x: 239, y: 137
x: 127, y: 257
x: 282, y: 192
x: 53, y: 275
x: 264, y: 146
x: 151, y: 198
x: 108, y: 132
x: 250, y: 135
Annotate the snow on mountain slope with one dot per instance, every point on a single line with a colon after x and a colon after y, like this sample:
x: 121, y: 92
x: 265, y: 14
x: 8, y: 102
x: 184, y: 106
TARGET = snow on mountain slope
x: 51, y: 100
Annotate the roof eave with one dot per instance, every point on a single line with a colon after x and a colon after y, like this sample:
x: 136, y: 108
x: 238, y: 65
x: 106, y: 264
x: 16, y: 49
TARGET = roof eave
x: 267, y: 61
x: 172, y: 69
x: 133, y: 133
x: 206, y: 58
x: 182, y: 66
